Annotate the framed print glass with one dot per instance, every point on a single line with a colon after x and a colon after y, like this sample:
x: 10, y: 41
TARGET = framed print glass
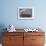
x: 25, y: 13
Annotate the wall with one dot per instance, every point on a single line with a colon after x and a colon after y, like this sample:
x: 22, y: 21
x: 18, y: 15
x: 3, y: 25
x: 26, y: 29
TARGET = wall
x: 9, y: 13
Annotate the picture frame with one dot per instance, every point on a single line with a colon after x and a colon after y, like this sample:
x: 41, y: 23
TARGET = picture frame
x: 25, y: 13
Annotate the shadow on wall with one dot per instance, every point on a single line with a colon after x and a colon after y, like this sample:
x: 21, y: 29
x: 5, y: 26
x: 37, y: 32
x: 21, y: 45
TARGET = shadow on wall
x: 2, y: 26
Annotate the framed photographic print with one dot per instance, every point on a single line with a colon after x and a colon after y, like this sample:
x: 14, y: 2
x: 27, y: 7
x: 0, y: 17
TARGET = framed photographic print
x: 25, y: 13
